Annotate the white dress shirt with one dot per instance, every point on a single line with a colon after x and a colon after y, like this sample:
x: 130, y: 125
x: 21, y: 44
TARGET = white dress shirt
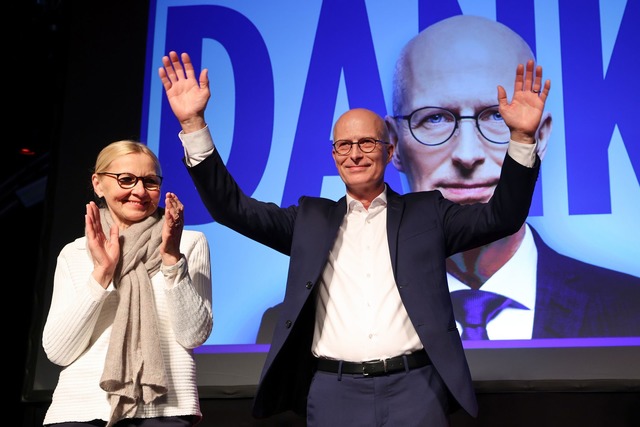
x: 359, y: 314
x: 516, y: 280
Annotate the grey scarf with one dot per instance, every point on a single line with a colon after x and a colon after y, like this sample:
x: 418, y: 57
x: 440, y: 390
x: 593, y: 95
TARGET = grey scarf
x: 134, y: 369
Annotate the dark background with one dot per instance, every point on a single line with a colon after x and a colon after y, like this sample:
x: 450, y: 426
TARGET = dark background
x: 77, y: 83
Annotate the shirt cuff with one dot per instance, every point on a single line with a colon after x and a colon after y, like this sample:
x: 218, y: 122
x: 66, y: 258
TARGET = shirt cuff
x: 197, y: 145
x: 525, y: 154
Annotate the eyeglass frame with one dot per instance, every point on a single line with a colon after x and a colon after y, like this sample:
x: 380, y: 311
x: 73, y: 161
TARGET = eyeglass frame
x: 359, y: 144
x: 457, y: 121
x: 138, y: 178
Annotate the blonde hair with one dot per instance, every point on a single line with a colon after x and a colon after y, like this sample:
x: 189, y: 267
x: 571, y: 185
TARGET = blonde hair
x: 121, y: 148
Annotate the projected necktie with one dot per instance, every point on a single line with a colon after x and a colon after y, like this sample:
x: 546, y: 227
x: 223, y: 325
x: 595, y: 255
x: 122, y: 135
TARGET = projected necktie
x: 475, y: 308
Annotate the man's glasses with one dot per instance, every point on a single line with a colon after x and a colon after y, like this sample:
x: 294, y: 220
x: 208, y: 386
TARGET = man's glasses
x: 128, y: 180
x: 435, y: 125
x: 367, y: 145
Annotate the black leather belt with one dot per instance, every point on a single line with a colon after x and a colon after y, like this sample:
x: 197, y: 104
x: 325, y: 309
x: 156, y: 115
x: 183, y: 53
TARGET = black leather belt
x: 375, y: 367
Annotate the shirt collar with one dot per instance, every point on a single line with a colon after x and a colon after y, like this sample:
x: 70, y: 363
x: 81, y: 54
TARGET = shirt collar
x: 380, y: 199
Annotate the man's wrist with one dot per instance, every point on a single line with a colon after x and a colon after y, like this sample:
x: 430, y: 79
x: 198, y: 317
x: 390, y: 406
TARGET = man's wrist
x: 193, y: 124
x: 523, y: 138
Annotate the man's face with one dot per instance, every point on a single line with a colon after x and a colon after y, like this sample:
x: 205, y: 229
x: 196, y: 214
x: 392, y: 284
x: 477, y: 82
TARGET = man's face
x: 467, y: 166
x: 362, y: 172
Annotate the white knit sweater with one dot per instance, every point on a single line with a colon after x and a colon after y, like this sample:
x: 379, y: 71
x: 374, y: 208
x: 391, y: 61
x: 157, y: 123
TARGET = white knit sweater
x: 76, y: 333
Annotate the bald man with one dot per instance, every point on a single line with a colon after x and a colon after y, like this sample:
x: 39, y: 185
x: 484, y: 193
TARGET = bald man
x: 366, y: 333
x: 449, y: 136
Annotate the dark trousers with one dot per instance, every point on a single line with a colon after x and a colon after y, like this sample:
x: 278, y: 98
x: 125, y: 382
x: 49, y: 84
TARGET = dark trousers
x: 414, y: 398
x: 187, y: 421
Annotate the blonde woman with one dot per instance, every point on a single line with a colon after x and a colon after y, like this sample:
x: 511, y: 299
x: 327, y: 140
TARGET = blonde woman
x: 131, y: 300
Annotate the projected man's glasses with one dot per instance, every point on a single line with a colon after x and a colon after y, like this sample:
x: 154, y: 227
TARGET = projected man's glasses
x: 435, y: 125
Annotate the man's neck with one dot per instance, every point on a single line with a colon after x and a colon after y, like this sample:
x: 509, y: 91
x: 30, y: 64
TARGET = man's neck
x: 366, y: 195
x: 476, y: 266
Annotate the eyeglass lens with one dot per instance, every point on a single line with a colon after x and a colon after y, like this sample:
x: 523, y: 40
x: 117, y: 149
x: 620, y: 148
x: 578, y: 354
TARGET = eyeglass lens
x: 434, y: 126
x: 343, y: 146
x: 128, y: 180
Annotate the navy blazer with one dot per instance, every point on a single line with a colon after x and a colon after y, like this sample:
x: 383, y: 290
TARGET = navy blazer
x: 575, y: 299
x: 423, y: 229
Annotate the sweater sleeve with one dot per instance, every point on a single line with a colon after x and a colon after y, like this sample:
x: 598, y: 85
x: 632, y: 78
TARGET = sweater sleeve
x: 76, y: 304
x: 188, y: 290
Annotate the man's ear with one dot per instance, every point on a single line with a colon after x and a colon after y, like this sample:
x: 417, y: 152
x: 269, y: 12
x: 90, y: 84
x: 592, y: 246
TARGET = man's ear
x: 544, y: 133
x: 391, y: 148
x: 392, y: 126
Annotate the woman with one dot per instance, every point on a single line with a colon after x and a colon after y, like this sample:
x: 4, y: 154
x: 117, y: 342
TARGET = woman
x: 131, y: 300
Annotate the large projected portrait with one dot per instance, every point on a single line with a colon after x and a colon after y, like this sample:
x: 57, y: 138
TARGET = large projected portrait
x: 282, y: 72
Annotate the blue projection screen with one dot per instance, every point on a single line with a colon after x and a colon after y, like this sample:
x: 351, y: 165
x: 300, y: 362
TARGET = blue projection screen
x: 281, y: 72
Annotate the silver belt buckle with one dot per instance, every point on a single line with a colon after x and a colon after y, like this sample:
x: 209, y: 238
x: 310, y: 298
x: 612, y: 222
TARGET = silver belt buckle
x: 372, y: 363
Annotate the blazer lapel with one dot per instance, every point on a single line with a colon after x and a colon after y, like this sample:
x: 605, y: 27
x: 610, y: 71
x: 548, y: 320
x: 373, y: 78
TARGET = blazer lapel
x: 395, y: 207
x: 334, y: 215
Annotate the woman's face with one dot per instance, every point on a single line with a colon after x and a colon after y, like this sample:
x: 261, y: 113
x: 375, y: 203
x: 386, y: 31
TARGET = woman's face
x: 132, y: 205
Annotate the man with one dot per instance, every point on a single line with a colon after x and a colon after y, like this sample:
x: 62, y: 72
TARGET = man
x: 454, y: 65
x: 366, y: 334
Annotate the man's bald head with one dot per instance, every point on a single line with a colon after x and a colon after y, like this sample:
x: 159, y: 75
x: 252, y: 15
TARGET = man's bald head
x: 351, y: 124
x: 445, y: 93
x: 453, y: 47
